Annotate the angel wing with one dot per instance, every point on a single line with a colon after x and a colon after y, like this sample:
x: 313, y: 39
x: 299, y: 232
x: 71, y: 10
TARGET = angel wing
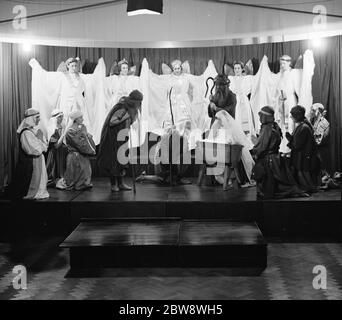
x: 186, y: 67
x: 132, y: 71
x: 81, y: 65
x: 166, y: 69
x: 299, y: 63
x: 62, y: 67
x: 249, y: 68
x: 228, y: 70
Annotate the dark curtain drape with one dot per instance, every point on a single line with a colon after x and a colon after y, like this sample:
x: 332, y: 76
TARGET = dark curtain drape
x: 15, y: 79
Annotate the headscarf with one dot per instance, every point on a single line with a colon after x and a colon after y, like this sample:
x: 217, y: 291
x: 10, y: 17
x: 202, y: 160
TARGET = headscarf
x: 266, y: 115
x: 28, y: 121
x: 73, y: 115
x: 52, y: 124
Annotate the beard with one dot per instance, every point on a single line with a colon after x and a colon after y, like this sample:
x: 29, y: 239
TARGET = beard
x: 220, y: 95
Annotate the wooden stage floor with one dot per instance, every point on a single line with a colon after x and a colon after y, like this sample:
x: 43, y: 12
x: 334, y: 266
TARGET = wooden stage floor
x: 316, y: 216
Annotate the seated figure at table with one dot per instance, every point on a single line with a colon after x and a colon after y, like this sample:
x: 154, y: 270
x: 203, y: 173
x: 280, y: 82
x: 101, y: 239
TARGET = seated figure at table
x: 272, y: 179
x: 80, y: 147
x: 121, y: 117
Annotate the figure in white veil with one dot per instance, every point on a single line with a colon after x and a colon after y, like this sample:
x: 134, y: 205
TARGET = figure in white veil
x: 227, y: 130
x: 68, y: 90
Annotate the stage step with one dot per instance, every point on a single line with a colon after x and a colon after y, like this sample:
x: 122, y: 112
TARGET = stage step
x: 166, y: 242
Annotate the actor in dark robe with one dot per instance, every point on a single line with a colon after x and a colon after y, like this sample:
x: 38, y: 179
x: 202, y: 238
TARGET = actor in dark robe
x: 223, y: 98
x: 271, y: 177
x: 80, y: 147
x: 57, y: 150
x: 304, y: 160
x: 122, y: 115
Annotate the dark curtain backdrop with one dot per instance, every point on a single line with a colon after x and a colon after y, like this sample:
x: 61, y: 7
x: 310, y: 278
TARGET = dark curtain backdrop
x: 15, y: 79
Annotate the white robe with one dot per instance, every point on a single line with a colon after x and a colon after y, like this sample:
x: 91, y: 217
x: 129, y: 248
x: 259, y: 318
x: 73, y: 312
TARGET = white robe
x: 242, y: 86
x: 118, y: 86
x: 188, y: 102
x: 69, y: 92
x: 35, y: 147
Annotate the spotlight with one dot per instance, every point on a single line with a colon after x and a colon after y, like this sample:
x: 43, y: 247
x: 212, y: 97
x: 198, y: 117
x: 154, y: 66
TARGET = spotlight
x: 27, y: 46
x: 135, y: 7
x: 316, y: 42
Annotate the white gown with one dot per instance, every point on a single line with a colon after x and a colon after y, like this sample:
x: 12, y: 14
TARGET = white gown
x: 69, y: 92
x: 242, y: 86
x: 188, y: 102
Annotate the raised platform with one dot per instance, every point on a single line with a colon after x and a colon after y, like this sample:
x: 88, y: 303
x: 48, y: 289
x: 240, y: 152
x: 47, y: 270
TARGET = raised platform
x: 168, y: 242
x: 308, y: 218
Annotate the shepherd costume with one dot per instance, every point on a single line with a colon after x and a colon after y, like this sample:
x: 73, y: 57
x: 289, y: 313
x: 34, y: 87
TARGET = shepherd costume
x: 121, y: 117
x: 80, y: 146
x: 30, y: 178
x: 272, y: 178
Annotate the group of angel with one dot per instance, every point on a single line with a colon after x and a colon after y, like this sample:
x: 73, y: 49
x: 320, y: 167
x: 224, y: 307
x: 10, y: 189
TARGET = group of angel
x: 175, y: 99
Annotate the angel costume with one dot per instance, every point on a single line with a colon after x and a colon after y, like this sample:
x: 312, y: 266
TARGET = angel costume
x: 80, y: 146
x: 30, y: 178
x: 272, y: 179
x: 121, y: 82
x: 286, y: 89
x: 243, y: 85
x: 177, y: 100
x: 69, y: 91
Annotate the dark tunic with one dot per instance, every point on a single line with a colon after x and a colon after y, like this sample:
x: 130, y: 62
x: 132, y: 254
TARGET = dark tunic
x: 271, y: 176
x: 223, y: 101
x: 56, y: 157
x: 303, y: 148
x: 23, y: 173
x: 107, y: 158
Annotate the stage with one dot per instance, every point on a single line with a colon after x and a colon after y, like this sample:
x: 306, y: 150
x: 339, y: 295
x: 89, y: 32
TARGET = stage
x: 314, y: 218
